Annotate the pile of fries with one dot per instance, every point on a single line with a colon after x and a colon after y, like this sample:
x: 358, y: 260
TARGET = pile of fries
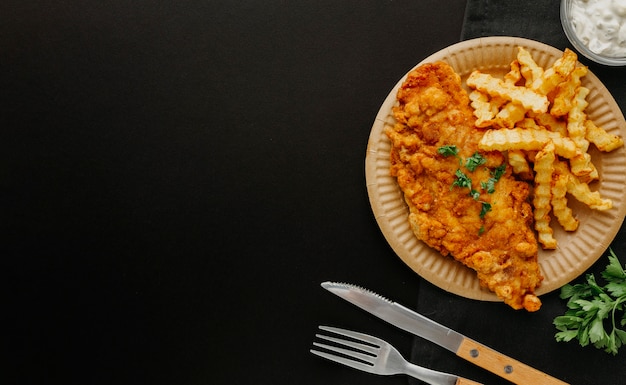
x: 537, y: 117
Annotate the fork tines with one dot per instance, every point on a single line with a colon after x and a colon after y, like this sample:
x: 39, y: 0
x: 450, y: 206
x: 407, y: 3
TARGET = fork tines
x: 358, y: 355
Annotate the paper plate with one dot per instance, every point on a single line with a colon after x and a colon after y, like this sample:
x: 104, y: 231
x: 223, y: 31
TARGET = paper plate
x: 576, y: 251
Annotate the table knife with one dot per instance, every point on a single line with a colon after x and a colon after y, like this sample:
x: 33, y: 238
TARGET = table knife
x: 464, y: 347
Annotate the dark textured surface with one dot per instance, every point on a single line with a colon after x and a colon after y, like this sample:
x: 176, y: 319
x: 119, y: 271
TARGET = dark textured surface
x: 178, y: 177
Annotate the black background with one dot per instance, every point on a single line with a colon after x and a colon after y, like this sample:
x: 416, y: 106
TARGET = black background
x: 178, y: 177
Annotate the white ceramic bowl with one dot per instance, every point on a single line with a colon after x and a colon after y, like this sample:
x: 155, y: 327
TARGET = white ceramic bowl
x: 568, y: 27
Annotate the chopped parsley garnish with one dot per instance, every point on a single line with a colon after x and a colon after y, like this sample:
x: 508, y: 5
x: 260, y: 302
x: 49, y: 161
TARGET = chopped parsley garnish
x: 489, y: 185
x: 474, y: 161
x: 486, y: 207
x: 461, y: 180
x: 497, y: 172
x: 448, y: 150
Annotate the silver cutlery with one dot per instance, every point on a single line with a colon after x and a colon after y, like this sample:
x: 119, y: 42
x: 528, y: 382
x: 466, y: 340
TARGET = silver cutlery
x: 373, y: 355
x: 464, y: 347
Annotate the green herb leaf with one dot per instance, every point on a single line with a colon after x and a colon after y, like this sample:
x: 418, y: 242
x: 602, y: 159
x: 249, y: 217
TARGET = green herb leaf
x: 621, y: 334
x: 575, y: 291
x: 462, y: 180
x: 595, y: 312
x: 489, y: 185
x: 616, y: 289
x: 448, y: 150
x: 474, y: 161
x: 614, y: 269
x: 497, y: 172
x: 566, y: 335
x: 596, y: 331
x: 486, y: 207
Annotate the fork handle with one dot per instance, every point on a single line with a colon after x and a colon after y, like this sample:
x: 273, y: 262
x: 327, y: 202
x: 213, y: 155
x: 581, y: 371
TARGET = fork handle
x: 465, y: 381
x: 434, y: 377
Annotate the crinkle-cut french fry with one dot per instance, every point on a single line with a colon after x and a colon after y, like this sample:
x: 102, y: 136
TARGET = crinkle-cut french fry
x: 580, y: 165
x: 548, y: 108
x: 562, y: 212
x: 583, y: 168
x: 576, y: 118
x: 544, y: 167
x: 484, y: 110
x: 528, y: 67
x: 529, y: 124
x: 523, y: 139
x: 581, y: 190
x: 510, y: 114
x: 551, y: 123
x: 565, y: 92
x: 554, y: 75
x: 530, y: 155
x: 520, y: 165
x: 514, y: 75
x: 528, y: 98
x: 601, y: 139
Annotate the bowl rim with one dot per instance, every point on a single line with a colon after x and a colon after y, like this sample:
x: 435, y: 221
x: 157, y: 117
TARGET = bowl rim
x: 579, y: 46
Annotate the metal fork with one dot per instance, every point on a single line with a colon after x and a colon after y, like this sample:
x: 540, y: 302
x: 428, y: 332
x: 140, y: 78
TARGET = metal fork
x: 373, y: 355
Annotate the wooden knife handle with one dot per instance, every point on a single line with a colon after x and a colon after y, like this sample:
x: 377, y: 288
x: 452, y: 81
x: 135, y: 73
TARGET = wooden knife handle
x: 503, y: 366
x: 465, y: 381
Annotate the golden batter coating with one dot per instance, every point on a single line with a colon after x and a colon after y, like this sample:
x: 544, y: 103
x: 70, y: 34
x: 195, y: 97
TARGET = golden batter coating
x: 479, y: 215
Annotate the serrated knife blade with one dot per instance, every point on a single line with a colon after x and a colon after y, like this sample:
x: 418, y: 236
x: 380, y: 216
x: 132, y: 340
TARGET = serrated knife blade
x: 466, y: 348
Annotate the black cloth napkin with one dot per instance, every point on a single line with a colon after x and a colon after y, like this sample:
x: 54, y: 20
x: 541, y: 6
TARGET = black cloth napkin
x: 531, y: 19
x: 527, y: 337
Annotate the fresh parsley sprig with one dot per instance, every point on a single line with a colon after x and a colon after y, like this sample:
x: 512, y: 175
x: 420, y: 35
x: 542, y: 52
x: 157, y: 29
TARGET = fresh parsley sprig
x: 593, y: 307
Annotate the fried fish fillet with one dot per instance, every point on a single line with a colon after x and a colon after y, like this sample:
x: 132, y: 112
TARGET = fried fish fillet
x: 484, y: 222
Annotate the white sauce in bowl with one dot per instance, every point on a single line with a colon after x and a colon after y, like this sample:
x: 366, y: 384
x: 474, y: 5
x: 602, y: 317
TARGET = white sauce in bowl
x: 601, y: 25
